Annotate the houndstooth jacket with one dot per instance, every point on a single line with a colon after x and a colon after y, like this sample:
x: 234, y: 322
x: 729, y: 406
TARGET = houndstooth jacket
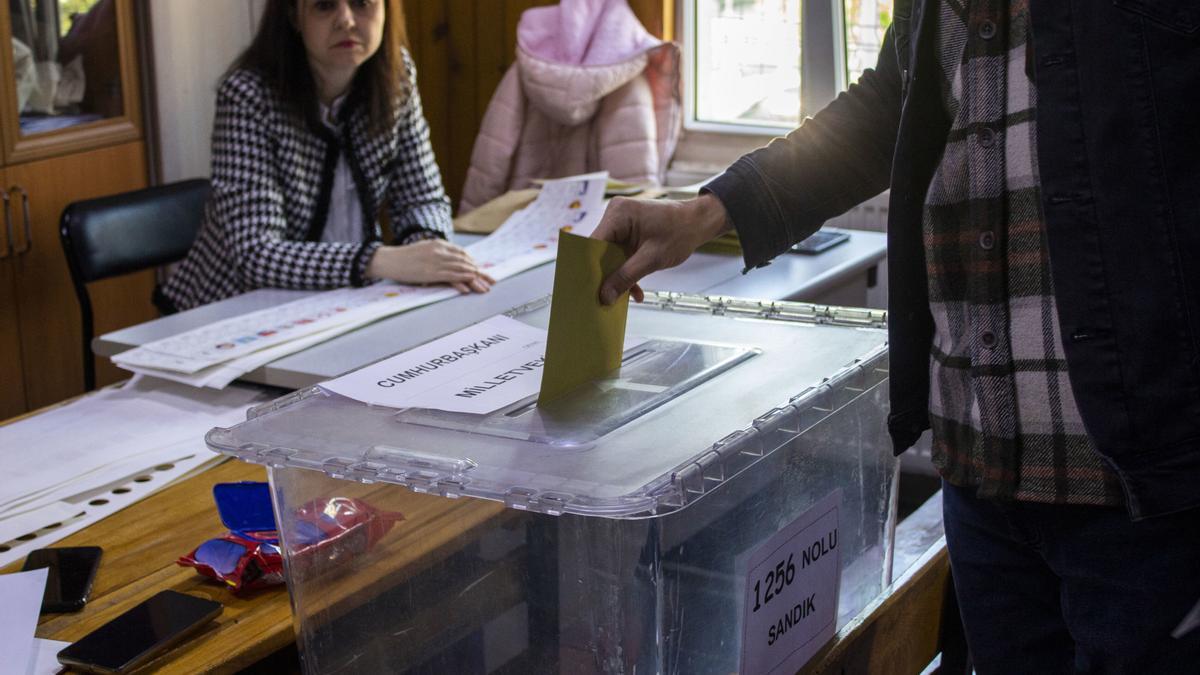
x: 272, y: 175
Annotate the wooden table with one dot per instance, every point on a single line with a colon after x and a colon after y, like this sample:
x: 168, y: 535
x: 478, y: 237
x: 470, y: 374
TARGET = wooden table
x: 902, y: 630
x: 142, y: 542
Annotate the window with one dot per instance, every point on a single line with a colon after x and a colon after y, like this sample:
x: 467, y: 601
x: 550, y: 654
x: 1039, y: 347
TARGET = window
x: 759, y: 66
x: 866, y: 22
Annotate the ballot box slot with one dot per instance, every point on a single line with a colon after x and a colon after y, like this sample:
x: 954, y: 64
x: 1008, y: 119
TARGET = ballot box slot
x: 652, y: 374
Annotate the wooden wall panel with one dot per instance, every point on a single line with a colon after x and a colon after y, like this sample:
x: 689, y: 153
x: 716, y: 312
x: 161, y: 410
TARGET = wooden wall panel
x: 658, y: 16
x: 462, y: 49
x: 462, y: 94
x: 433, y: 67
x: 491, y: 51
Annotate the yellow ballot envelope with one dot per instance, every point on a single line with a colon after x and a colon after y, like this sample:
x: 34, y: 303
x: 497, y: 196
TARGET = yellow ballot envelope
x: 586, y: 338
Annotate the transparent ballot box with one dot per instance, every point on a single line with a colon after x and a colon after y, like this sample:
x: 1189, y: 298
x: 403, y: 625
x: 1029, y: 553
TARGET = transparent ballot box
x: 613, y: 531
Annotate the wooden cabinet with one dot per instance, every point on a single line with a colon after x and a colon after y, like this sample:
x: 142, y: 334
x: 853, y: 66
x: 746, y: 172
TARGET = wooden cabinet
x: 70, y: 129
x: 12, y: 383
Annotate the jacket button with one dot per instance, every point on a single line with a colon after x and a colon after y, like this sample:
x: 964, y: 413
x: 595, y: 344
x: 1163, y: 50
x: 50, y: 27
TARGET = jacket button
x: 988, y: 338
x: 987, y: 240
x: 987, y: 30
x: 987, y: 137
x: 1081, y: 336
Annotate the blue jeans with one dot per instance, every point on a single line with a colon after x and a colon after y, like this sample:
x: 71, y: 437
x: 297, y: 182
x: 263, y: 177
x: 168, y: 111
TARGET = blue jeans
x: 1049, y: 589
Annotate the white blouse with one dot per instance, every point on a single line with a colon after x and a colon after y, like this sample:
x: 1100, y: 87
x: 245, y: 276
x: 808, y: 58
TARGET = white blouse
x: 345, y: 219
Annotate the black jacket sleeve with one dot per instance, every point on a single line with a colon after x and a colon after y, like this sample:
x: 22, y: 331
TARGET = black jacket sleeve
x: 779, y: 194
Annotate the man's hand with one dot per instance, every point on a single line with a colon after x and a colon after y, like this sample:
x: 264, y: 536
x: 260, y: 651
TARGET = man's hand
x: 429, y: 262
x: 656, y: 235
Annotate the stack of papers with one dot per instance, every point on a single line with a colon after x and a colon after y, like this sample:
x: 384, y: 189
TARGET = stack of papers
x: 217, y: 354
x: 71, y: 466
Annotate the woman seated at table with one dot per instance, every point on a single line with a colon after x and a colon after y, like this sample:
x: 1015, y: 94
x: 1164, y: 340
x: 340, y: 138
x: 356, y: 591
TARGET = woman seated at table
x: 318, y: 125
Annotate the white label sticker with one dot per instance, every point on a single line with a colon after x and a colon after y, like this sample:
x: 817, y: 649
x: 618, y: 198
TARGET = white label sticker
x: 478, y: 369
x: 791, y: 595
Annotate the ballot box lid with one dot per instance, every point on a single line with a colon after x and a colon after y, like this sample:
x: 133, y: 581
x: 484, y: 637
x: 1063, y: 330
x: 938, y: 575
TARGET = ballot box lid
x: 735, y: 380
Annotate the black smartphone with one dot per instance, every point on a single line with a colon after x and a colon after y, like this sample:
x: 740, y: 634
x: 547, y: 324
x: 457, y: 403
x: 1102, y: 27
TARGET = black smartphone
x: 70, y: 575
x: 140, y: 634
x: 821, y: 240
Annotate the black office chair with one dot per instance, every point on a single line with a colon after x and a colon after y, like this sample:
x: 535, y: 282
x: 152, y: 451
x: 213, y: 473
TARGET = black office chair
x: 125, y: 233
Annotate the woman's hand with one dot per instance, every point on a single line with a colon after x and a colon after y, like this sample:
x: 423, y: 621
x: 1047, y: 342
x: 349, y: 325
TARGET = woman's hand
x: 433, y: 261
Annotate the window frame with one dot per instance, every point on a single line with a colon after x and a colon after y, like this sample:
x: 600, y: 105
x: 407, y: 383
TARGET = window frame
x: 822, y: 74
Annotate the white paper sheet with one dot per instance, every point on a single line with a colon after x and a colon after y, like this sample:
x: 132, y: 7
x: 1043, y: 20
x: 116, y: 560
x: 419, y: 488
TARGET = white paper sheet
x: 35, y: 519
x: 216, y: 354
x: 21, y: 594
x: 117, y: 472
x: 43, y: 658
x: 100, y: 501
x: 55, y: 447
x: 478, y: 369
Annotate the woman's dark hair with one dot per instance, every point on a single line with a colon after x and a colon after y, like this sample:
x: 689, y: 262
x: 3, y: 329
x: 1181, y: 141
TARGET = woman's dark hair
x: 278, y: 55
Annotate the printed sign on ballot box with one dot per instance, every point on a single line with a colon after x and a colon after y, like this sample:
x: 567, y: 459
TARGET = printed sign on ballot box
x: 791, y: 594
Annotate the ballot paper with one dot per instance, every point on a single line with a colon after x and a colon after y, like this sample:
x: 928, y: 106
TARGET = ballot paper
x: 216, y: 354
x: 585, y: 338
x: 475, y: 370
x: 530, y: 236
x: 22, y: 594
x: 226, y: 340
x: 223, y: 374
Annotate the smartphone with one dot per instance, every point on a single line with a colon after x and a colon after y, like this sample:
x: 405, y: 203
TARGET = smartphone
x: 821, y: 240
x: 140, y: 634
x: 70, y: 576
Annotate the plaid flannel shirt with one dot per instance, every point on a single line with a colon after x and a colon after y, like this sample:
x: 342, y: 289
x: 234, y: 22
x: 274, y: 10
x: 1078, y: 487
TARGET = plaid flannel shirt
x: 1003, y: 414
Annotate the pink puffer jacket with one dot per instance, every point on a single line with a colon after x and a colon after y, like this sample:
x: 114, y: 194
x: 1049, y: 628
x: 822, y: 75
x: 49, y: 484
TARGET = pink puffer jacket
x: 590, y: 90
